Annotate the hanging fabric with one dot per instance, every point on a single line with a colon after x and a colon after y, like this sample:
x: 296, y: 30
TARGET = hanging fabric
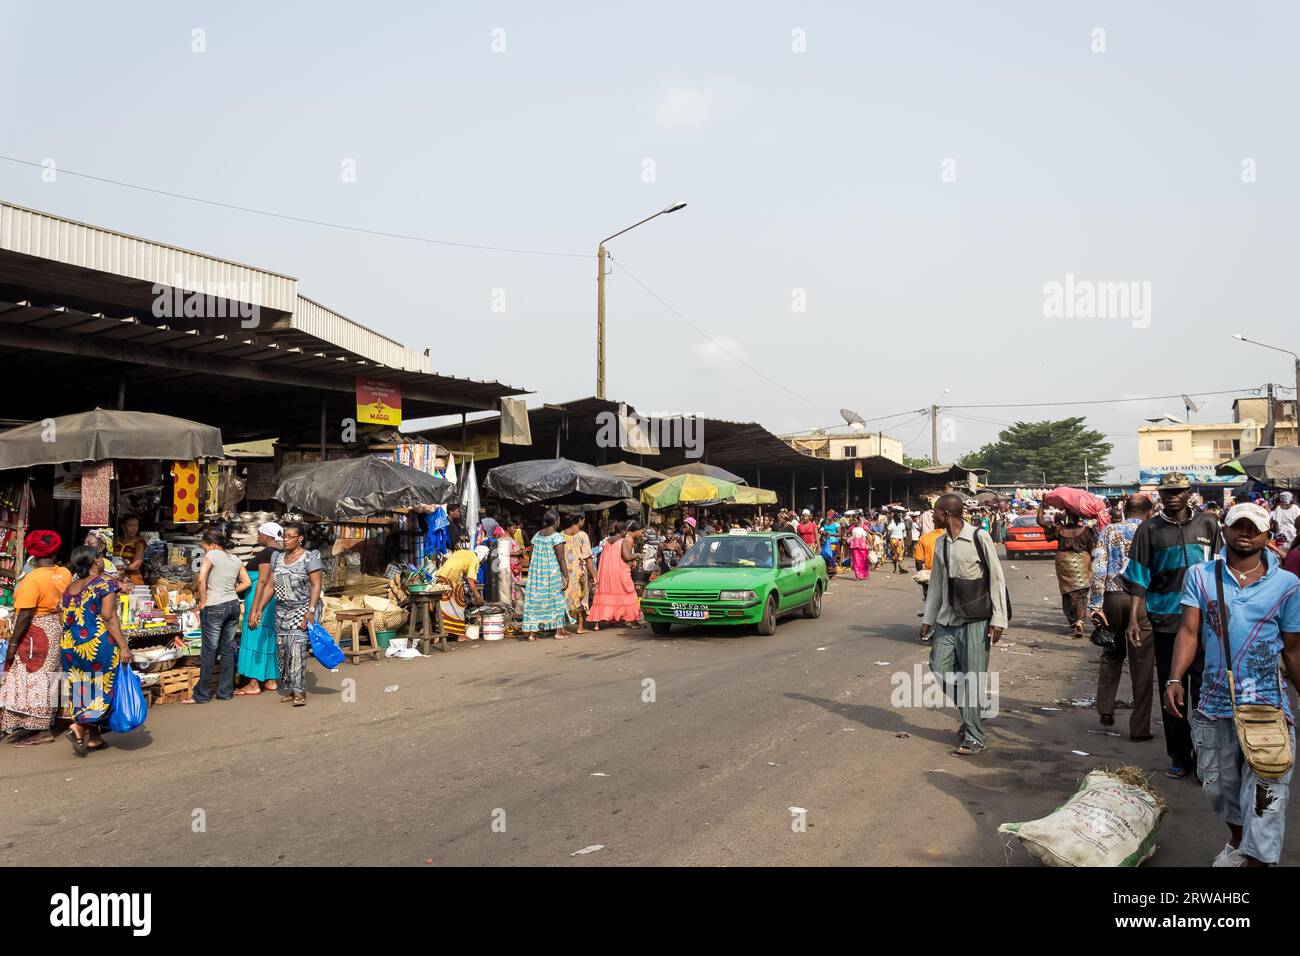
x: 96, y: 482
x: 185, y: 491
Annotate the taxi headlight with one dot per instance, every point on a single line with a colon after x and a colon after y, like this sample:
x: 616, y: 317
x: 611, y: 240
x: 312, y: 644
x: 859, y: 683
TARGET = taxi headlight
x: 737, y: 596
x: 653, y: 595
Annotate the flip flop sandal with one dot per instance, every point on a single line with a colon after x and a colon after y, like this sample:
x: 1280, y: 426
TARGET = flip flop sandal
x: 247, y: 693
x: 34, y: 741
x: 300, y: 700
x: 968, y: 750
x: 287, y: 700
x: 78, y: 744
x: 1176, y: 773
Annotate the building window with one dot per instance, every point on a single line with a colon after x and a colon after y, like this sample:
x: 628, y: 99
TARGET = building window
x: 1164, y: 444
x: 850, y: 451
x: 1223, y: 449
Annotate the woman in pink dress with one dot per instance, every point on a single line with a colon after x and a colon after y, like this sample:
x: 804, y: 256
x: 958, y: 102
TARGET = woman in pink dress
x: 860, y: 544
x: 616, y: 599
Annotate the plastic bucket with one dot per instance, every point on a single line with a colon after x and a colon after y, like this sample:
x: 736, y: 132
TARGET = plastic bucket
x: 384, y: 637
x: 471, y: 632
x: 493, y: 627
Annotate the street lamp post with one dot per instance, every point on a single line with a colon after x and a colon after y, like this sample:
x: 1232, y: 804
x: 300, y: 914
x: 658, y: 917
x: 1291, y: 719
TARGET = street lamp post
x: 600, y: 294
x: 1296, y: 359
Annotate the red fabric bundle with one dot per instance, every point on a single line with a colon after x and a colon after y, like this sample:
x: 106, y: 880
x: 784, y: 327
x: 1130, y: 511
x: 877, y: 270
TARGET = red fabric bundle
x: 1078, y: 502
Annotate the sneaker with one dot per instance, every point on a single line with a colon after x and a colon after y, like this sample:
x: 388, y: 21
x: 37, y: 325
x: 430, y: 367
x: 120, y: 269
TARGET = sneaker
x: 1229, y: 856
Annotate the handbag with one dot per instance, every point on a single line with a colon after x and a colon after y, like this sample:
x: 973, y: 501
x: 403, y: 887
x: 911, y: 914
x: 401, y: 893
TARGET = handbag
x: 1103, y: 637
x: 323, y: 648
x: 1262, y: 731
x: 970, y: 598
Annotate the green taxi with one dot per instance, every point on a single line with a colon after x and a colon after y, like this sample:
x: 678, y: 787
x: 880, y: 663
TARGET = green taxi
x: 731, y: 579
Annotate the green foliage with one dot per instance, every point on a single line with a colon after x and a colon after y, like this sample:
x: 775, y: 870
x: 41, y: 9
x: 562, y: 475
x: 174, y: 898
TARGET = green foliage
x: 1027, y: 450
x: 911, y: 462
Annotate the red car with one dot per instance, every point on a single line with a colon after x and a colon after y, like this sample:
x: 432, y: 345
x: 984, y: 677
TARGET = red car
x: 1025, y: 536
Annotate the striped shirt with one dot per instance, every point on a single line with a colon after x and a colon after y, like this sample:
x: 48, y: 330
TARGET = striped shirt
x: 1160, y: 554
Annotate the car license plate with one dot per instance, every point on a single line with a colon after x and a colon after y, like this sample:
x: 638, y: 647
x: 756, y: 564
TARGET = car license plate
x: 690, y: 612
x: 1033, y: 537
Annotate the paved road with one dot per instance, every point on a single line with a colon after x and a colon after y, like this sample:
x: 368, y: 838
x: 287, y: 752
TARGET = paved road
x: 557, y: 739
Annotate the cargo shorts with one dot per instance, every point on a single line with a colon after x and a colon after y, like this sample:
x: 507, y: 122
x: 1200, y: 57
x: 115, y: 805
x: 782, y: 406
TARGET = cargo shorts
x: 1235, y: 793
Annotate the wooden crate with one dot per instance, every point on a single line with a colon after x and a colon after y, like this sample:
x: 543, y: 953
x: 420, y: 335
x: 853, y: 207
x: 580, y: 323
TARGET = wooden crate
x: 175, y: 685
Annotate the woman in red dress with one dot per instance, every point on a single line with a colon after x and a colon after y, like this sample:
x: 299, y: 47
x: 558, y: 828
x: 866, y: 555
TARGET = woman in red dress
x: 616, y: 598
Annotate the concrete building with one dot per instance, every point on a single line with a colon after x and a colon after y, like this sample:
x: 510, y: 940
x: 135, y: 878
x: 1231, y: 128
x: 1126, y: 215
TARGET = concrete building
x: 863, y: 444
x: 1167, y: 444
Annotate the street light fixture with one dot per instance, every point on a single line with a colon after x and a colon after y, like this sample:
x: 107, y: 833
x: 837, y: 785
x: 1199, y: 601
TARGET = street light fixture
x: 600, y: 294
x: 1294, y: 356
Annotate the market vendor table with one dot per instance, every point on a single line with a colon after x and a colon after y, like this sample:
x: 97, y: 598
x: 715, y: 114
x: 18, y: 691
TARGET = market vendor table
x: 423, y: 603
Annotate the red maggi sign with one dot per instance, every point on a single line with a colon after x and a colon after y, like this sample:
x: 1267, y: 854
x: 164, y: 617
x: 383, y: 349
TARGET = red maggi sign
x: 378, y: 403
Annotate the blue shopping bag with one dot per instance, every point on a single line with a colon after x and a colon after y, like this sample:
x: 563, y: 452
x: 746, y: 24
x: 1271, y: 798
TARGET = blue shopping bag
x: 323, y: 646
x: 129, y: 707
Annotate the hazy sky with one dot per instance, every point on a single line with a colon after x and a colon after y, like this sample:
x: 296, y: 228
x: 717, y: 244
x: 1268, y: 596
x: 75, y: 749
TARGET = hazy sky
x: 913, y: 177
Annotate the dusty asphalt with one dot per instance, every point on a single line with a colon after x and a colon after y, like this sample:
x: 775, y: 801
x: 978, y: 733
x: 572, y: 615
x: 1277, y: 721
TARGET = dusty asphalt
x: 556, y: 738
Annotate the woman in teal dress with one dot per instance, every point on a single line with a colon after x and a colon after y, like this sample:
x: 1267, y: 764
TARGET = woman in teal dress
x: 545, y: 608
x: 258, y: 654
x: 91, y: 648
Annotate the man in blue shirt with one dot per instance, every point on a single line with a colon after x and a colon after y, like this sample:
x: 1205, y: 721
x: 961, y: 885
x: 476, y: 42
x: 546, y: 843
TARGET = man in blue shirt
x: 1163, y: 548
x: 1262, y: 604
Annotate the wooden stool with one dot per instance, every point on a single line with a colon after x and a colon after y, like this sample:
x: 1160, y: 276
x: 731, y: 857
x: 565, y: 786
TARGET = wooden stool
x: 362, y: 620
x: 425, y: 622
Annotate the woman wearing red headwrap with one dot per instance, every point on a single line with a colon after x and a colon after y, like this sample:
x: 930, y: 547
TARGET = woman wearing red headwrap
x: 28, y: 696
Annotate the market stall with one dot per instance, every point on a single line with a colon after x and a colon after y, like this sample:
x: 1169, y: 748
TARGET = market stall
x: 82, y: 475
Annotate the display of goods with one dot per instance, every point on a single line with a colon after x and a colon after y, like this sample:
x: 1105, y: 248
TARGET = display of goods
x: 1078, y: 502
x: 1111, y: 820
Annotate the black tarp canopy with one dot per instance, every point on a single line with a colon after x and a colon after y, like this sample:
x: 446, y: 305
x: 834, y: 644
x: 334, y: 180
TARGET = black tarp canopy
x: 104, y: 434
x: 555, y: 480
x: 357, y: 487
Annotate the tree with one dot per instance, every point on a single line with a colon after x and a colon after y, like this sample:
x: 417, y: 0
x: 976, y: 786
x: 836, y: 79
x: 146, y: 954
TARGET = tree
x: 911, y: 462
x: 1027, y: 451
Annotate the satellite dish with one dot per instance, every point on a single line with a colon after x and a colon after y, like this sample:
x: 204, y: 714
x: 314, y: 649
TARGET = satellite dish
x: 851, y: 417
x: 1190, y: 405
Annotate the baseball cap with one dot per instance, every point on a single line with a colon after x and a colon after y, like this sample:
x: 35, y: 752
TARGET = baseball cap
x: 1257, y: 515
x: 1175, y: 479
x: 271, y: 530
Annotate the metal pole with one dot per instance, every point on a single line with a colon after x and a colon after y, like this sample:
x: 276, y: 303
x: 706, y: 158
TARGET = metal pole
x: 934, y: 434
x: 846, y: 491
x: 121, y: 390
x: 323, y: 403
x: 464, y: 436
x: 600, y: 324
x: 822, y: 482
x: 792, y: 498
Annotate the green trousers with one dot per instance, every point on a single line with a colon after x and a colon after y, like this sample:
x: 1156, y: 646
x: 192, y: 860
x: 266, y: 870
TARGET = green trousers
x: 959, y: 660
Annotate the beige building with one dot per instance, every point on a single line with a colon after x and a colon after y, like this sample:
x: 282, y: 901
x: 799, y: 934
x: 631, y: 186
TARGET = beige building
x: 863, y: 444
x: 1198, y: 448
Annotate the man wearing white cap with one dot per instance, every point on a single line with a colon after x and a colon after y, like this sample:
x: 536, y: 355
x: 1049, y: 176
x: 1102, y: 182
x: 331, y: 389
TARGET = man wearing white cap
x: 1285, y: 515
x: 1243, y: 609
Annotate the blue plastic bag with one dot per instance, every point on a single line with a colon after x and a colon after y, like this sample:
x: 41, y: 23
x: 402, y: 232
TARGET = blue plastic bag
x: 323, y: 646
x: 129, y: 707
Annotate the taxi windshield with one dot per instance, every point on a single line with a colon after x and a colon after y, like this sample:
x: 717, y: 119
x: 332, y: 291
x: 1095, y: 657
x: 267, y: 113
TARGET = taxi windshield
x: 729, y: 551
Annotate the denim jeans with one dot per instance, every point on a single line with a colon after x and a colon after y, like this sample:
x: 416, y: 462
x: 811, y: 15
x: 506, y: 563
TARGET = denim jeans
x: 220, y: 628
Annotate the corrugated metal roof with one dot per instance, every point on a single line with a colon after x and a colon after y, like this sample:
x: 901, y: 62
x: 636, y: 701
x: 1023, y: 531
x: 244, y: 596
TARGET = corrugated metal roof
x: 315, y: 319
x: 43, y: 236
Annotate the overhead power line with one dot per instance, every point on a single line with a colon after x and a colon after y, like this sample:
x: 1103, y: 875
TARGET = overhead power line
x: 346, y: 227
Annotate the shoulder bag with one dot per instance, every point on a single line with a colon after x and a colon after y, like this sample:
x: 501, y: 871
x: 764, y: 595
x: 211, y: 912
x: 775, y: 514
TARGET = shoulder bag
x: 1262, y: 731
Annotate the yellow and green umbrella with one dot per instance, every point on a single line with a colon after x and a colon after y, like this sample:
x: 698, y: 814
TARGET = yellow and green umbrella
x: 746, y: 495
x: 688, y: 489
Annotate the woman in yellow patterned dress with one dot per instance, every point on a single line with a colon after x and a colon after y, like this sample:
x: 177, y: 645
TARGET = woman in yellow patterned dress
x: 91, y: 649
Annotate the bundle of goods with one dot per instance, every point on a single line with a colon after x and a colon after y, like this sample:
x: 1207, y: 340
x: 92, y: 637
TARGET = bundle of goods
x: 1082, y: 504
x: 1111, y: 820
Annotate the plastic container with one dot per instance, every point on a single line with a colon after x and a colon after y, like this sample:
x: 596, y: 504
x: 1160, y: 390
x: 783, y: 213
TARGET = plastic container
x: 384, y: 637
x: 493, y: 627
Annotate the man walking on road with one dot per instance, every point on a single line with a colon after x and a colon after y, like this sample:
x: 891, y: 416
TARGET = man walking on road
x: 1110, y: 606
x: 1164, y: 547
x: 967, y: 611
x: 1244, y: 603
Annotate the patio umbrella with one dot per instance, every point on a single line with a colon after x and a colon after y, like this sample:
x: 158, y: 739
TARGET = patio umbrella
x: 634, y: 475
x: 746, y: 495
x: 356, y: 487
x: 557, y: 480
x: 688, y: 489
x: 1269, y: 464
x: 108, y: 433
x: 708, y: 471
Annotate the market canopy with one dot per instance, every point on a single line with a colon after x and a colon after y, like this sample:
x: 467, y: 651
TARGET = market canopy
x: 1269, y: 464
x: 688, y: 489
x: 556, y: 480
x: 708, y: 471
x: 633, y: 474
x: 746, y: 495
x: 104, y: 434
x: 357, y: 487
